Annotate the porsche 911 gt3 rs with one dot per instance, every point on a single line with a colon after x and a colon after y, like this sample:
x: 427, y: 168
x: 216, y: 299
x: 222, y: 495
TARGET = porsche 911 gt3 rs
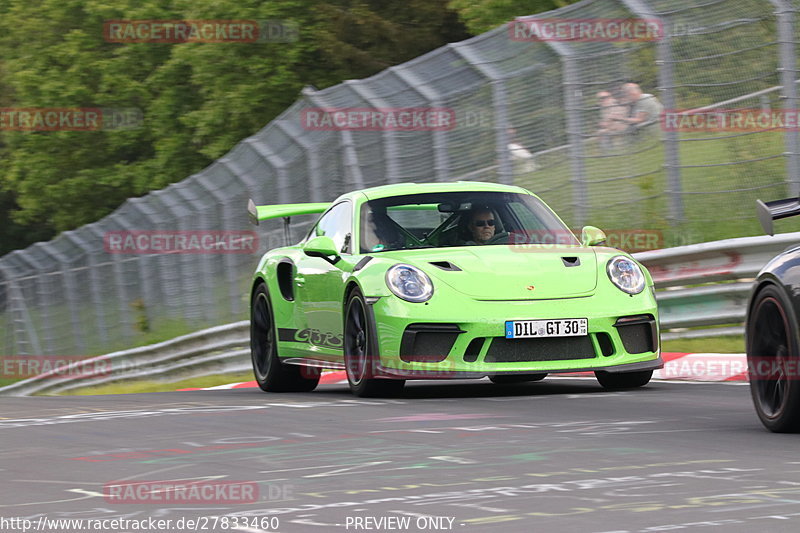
x: 447, y: 280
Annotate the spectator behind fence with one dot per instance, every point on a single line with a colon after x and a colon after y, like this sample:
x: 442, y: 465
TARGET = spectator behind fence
x: 644, y: 110
x: 611, y: 125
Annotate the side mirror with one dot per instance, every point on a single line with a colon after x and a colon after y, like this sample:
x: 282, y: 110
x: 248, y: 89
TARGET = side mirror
x: 321, y: 246
x: 592, y: 236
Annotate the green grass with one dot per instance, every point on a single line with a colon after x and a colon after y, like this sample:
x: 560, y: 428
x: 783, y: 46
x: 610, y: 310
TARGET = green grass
x: 710, y: 213
x: 131, y: 387
x: 727, y: 344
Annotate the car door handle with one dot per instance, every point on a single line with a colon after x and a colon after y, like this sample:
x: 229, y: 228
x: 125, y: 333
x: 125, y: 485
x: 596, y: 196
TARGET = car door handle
x: 300, y: 280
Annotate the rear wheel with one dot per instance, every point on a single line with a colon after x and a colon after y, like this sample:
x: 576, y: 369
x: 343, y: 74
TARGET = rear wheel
x: 361, y: 352
x: 510, y: 379
x: 271, y: 374
x: 623, y: 380
x: 772, y: 357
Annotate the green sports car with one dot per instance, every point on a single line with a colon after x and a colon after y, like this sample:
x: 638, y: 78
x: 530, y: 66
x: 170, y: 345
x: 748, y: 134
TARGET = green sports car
x: 447, y: 280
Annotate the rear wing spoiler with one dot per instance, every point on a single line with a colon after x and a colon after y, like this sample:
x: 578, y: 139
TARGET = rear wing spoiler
x: 776, y: 210
x: 257, y: 213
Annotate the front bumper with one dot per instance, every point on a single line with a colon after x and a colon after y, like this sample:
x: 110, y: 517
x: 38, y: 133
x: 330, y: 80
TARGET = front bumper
x: 467, y: 340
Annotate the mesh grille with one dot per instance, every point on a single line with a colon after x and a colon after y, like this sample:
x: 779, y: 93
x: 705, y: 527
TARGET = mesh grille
x: 426, y: 346
x: 637, y: 338
x: 505, y: 350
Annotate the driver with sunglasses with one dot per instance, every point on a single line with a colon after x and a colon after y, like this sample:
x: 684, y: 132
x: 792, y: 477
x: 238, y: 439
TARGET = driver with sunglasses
x: 481, y: 226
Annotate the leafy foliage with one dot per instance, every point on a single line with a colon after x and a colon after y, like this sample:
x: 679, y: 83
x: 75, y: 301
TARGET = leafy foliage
x: 483, y: 15
x: 198, y: 99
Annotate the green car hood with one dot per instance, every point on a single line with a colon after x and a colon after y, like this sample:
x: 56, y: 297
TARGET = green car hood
x: 497, y: 272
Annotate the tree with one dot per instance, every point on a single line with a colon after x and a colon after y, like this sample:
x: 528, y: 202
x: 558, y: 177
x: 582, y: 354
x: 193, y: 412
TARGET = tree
x: 198, y: 99
x: 483, y: 15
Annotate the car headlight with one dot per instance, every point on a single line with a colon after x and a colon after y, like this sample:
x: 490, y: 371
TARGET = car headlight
x: 409, y: 283
x: 626, y: 274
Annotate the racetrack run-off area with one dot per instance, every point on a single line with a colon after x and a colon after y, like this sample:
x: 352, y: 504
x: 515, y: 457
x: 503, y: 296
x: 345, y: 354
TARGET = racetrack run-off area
x: 557, y: 455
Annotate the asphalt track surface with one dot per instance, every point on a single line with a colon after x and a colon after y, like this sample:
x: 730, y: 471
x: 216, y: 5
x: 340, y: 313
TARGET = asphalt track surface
x: 558, y: 455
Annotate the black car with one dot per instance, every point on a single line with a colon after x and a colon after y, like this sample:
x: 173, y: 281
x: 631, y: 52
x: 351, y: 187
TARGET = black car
x: 772, y: 335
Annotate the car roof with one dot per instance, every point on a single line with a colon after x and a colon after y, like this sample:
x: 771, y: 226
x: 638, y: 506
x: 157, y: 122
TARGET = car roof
x: 399, y: 189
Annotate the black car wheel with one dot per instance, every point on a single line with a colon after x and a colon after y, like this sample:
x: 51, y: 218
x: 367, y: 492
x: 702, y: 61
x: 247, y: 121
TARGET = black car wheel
x: 623, y: 380
x: 510, y: 379
x: 271, y: 374
x: 360, y: 352
x: 772, y: 360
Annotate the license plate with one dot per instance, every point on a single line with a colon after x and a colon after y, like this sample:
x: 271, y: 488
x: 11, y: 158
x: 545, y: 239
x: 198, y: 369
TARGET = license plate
x: 565, y: 327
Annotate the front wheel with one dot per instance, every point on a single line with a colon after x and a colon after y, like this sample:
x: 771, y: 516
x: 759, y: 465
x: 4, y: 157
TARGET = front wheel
x: 361, y: 352
x: 271, y: 374
x: 623, y: 380
x: 772, y: 357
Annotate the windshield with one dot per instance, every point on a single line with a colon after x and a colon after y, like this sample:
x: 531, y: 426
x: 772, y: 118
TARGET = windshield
x: 436, y: 220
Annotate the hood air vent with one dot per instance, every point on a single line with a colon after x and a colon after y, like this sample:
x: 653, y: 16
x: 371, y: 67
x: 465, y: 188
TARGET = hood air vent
x: 445, y: 265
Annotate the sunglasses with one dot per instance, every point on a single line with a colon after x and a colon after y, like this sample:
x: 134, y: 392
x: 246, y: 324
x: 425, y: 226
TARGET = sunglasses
x: 482, y: 223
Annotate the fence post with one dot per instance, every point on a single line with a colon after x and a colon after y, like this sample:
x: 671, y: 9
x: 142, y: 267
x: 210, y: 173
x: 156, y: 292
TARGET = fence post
x: 73, y: 296
x: 202, y: 265
x: 666, y: 84
x: 316, y: 186
x: 672, y: 158
x: 44, y: 289
x: 572, y: 107
x: 349, y: 156
x: 787, y: 66
x: 505, y: 169
x: 24, y: 334
x: 440, y: 154
x: 390, y: 150
x: 124, y: 328
x: 572, y: 103
x: 95, y: 288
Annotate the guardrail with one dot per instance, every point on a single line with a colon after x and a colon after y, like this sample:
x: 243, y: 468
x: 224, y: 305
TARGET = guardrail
x: 221, y: 349
x: 708, y: 285
x: 699, y: 286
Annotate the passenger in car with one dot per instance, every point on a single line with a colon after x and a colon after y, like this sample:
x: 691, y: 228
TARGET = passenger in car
x: 380, y: 233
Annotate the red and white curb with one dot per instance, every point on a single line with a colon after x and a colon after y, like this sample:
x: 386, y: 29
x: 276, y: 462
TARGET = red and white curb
x: 703, y: 367
x: 327, y: 378
x: 706, y: 367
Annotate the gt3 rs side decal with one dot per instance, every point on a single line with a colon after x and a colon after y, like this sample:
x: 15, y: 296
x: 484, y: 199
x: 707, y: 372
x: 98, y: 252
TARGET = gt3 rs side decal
x: 311, y: 336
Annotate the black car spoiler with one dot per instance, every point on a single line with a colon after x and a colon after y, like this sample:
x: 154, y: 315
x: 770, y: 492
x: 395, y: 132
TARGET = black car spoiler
x: 776, y: 210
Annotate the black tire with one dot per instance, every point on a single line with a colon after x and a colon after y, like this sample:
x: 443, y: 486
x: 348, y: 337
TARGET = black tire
x: 271, y: 374
x: 361, y: 352
x: 623, y: 380
x: 772, y: 346
x: 510, y: 379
